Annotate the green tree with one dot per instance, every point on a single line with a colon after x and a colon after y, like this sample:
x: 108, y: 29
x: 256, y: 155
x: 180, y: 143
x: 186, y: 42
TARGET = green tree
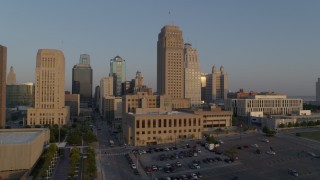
x: 296, y: 124
x: 211, y: 140
x: 265, y: 129
x: 311, y: 123
x: 318, y: 122
x: 290, y: 124
x: 303, y: 123
x: 281, y: 125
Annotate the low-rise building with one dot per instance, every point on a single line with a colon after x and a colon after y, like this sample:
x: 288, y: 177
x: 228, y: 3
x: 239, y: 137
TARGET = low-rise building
x: 268, y: 103
x: 158, y: 128
x: 21, y: 148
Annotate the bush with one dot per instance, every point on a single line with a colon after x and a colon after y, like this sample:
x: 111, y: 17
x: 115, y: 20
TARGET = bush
x: 303, y: 123
x: 318, y: 122
x: 296, y: 124
x: 290, y: 124
x: 311, y: 123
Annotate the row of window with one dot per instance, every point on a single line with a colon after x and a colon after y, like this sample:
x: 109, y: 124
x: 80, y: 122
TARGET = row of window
x: 167, y: 131
x: 167, y: 123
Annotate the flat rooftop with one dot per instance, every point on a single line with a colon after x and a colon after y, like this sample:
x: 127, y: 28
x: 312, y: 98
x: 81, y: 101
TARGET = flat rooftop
x: 172, y: 113
x: 18, y: 136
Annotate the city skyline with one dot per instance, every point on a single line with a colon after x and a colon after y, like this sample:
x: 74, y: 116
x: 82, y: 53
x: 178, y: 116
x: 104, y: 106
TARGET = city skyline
x: 267, y: 46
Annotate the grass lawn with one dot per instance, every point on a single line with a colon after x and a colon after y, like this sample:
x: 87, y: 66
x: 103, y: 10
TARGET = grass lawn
x: 311, y: 135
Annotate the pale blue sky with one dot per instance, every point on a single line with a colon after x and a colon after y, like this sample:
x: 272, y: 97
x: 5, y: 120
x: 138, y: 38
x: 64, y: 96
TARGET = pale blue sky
x: 263, y: 45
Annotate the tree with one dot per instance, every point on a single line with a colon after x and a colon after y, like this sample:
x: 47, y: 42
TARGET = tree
x: 311, y: 123
x: 281, y: 125
x: 265, y: 129
x: 296, y: 124
x: 318, y: 122
x: 212, y: 140
x: 290, y: 124
x: 304, y: 123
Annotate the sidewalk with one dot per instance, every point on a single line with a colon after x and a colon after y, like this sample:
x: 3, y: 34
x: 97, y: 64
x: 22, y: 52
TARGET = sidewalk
x: 98, y: 161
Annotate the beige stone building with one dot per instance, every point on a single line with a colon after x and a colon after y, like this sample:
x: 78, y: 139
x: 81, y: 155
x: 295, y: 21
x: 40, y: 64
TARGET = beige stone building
x: 158, y: 128
x: 192, y: 75
x: 20, y: 149
x: 49, y: 90
x: 215, y: 118
x: 217, y: 86
x: 170, y: 62
x: 3, y: 75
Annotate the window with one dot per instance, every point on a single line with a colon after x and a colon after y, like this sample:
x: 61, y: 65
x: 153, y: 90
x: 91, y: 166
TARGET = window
x: 154, y: 123
x: 184, y: 122
x: 164, y: 123
x: 189, y: 122
x: 137, y: 132
x: 175, y: 123
x: 143, y: 123
x: 138, y: 124
x: 143, y: 132
x: 159, y: 123
x: 170, y: 123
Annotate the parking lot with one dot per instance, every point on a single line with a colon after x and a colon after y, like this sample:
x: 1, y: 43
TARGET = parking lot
x: 258, y: 158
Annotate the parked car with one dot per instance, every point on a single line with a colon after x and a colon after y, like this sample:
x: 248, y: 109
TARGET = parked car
x: 266, y: 140
x: 133, y: 166
x: 271, y: 152
x: 293, y: 172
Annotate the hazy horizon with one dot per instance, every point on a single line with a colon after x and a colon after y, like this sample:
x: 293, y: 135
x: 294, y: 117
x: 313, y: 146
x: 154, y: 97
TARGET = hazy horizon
x: 263, y: 46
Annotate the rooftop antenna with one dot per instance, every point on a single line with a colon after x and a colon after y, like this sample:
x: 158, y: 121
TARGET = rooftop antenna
x: 170, y: 18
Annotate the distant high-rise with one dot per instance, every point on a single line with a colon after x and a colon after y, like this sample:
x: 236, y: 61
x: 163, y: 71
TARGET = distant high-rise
x: 21, y: 94
x: 203, y: 86
x: 3, y: 75
x: 82, y: 80
x: 318, y: 91
x: 217, y: 85
x: 11, y: 79
x: 192, y: 75
x: 118, y: 72
x: 106, y: 89
x: 49, y: 89
x: 170, y: 62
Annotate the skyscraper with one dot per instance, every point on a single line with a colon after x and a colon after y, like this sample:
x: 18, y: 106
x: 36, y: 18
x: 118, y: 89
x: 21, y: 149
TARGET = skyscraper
x: 217, y: 85
x: 318, y: 91
x: 170, y: 62
x: 118, y: 72
x: 106, y: 89
x: 49, y: 89
x: 11, y: 79
x: 82, y: 80
x: 192, y: 75
x: 3, y: 75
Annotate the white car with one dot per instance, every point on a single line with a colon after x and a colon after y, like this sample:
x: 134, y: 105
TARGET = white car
x: 220, y: 142
x: 271, y: 152
x: 133, y: 166
x: 255, y: 145
x: 266, y: 140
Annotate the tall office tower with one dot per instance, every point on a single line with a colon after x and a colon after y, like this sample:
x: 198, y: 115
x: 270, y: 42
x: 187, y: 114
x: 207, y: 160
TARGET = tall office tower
x: 118, y: 72
x: 84, y: 59
x: 192, y: 75
x: 97, y: 96
x: 49, y: 90
x: 3, y: 74
x: 11, y: 79
x: 82, y: 80
x: 203, y: 86
x: 318, y: 91
x: 106, y: 89
x: 170, y: 62
x: 217, y: 85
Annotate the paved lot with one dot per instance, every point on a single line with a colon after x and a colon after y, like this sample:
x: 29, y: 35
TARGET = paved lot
x: 291, y: 152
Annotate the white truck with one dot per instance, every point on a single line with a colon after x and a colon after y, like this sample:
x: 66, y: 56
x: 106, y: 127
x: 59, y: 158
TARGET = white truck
x: 211, y: 146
